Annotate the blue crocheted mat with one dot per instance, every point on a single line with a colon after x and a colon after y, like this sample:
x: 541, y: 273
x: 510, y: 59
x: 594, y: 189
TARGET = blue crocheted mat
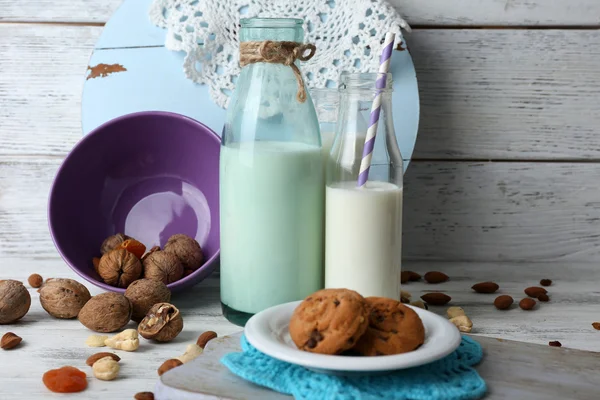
x: 451, y: 378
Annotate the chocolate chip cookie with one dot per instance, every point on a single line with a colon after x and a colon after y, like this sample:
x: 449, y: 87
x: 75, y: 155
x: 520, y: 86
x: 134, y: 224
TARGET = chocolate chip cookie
x: 329, y: 321
x: 393, y: 329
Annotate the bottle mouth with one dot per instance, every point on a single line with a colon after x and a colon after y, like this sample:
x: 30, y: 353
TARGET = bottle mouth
x: 271, y: 22
x: 363, y: 81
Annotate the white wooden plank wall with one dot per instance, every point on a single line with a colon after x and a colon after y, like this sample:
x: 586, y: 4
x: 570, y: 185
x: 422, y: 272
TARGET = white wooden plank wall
x: 506, y: 165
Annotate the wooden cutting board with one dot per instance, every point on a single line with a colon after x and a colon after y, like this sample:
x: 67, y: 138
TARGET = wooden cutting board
x: 512, y: 370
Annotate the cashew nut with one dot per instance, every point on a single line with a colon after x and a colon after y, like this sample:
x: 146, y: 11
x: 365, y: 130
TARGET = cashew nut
x: 126, y: 340
x: 191, y: 352
x: 419, y: 303
x: 405, y: 296
x: 463, y: 323
x: 96, y: 341
x: 455, y: 312
x: 106, y: 369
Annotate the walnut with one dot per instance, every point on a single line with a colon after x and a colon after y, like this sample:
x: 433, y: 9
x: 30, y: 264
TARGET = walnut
x: 143, y: 294
x: 63, y: 298
x: 14, y: 301
x: 163, y: 323
x: 152, y: 250
x: 119, y: 268
x: 162, y: 266
x: 112, y: 242
x: 106, y: 312
x: 187, y: 250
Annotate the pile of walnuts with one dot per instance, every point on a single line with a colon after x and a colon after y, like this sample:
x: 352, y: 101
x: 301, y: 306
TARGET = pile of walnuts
x: 123, y: 260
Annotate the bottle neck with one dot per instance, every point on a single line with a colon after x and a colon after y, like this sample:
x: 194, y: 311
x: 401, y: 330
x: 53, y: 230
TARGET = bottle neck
x: 275, y: 29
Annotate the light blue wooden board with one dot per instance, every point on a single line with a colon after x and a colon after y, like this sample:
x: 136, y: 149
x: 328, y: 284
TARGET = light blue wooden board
x: 154, y: 79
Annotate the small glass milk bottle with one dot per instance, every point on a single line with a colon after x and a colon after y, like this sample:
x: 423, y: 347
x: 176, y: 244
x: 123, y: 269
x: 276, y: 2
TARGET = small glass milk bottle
x: 364, y: 224
x: 327, y: 102
x: 271, y: 178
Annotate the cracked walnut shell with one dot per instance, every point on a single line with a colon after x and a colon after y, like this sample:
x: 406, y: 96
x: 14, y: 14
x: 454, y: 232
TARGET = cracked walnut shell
x: 163, y: 323
x: 143, y: 294
x: 187, y: 250
x: 119, y: 268
x: 162, y: 266
x: 63, y: 298
x: 14, y: 301
x: 106, y: 312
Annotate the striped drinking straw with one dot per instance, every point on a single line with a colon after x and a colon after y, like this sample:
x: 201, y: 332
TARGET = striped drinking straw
x: 384, y: 66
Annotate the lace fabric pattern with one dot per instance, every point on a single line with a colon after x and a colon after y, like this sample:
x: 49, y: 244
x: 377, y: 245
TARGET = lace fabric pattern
x: 347, y: 34
x: 451, y: 378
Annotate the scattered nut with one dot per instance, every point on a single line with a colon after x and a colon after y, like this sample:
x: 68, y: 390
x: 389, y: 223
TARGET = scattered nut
x: 106, y: 312
x: 436, y: 298
x: 527, y: 303
x: 535, y: 291
x: 485, y: 287
x: 14, y: 301
x: 596, y: 325
x: 167, y: 365
x: 106, y: 369
x: 96, y: 341
x: 9, y: 341
x: 413, y: 276
x: 127, y: 340
x: 187, y: 250
x: 420, y: 304
x: 191, y: 352
x: 546, y: 282
x: 96, y: 264
x: 503, y: 302
x: 144, y: 396
x: 112, y: 242
x: 152, y: 250
x: 162, y: 323
x: 143, y: 294
x: 95, y: 357
x: 35, y: 280
x: 436, y: 277
x: 404, y: 275
x: 555, y: 343
x: 453, y: 312
x: 63, y: 298
x: 205, y: 338
x: 119, y: 268
x: 463, y: 323
x: 405, y: 296
x: 162, y: 266
x: 543, y: 297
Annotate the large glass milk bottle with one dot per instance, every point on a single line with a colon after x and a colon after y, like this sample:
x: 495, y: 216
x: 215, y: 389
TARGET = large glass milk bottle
x: 271, y: 183
x: 364, y: 224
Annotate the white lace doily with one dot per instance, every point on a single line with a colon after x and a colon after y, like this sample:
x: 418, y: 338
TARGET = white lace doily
x: 347, y: 33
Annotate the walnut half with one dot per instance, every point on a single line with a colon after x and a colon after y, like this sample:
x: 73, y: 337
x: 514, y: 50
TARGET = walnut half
x: 162, y: 323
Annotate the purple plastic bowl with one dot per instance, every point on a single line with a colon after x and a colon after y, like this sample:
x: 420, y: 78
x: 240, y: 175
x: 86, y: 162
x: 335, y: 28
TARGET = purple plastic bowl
x: 149, y: 175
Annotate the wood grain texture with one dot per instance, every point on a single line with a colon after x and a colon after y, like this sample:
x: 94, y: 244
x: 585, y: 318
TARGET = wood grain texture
x: 508, y: 94
x: 500, y: 12
x: 452, y: 211
x: 418, y: 12
x: 485, y: 94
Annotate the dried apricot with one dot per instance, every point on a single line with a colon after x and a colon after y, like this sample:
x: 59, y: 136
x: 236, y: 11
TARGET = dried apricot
x: 134, y: 247
x: 65, y: 380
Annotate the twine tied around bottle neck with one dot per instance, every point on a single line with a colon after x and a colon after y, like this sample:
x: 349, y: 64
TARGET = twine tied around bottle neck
x: 285, y: 53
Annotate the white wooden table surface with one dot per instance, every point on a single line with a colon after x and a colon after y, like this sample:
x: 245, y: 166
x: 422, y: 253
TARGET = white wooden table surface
x: 503, y: 185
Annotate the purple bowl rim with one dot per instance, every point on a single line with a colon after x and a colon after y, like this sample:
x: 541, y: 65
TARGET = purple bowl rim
x: 208, y: 264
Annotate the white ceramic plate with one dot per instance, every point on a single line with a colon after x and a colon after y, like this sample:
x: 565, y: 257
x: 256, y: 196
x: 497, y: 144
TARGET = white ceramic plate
x: 268, y: 332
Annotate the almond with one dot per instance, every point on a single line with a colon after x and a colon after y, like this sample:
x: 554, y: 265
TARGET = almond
x: 168, y: 365
x: 527, y: 303
x: 555, y: 343
x: 93, y: 358
x: 436, y: 298
x: 436, y: 277
x: 596, y: 325
x: 35, y: 281
x: 10, y: 341
x: 543, y: 297
x: 546, y: 282
x: 535, y: 291
x: 485, y: 287
x: 144, y: 396
x: 205, y: 338
x: 409, y: 276
x: 503, y: 302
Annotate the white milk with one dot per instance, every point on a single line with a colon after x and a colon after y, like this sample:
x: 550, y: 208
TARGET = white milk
x: 364, y: 238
